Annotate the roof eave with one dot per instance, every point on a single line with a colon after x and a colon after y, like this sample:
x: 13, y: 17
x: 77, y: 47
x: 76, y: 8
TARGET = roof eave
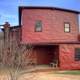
x: 44, y: 7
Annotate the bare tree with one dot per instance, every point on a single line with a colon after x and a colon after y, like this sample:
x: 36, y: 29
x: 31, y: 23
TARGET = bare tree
x: 1, y: 48
x: 12, y: 53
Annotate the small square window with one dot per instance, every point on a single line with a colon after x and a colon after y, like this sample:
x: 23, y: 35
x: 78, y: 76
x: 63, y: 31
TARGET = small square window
x: 67, y: 27
x: 38, y: 26
x: 77, y: 54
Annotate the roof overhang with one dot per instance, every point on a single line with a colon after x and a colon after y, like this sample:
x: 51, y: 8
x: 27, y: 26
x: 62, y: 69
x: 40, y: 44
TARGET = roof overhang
x: 51, y: 43
x: 44, y: 7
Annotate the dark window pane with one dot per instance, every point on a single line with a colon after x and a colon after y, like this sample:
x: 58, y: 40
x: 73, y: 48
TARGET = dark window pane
x: 38, y: 26
x: 77, y: 54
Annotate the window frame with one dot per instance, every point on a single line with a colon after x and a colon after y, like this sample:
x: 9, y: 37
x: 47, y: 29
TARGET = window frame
x: 77, y: 54
x: 36, y: 26
x: 65, y: 27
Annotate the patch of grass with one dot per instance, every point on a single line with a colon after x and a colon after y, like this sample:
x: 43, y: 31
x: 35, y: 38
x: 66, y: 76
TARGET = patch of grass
x: 71, y: 72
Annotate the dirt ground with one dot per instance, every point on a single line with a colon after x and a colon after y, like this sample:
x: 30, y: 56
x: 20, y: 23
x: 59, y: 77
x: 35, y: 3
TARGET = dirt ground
x: 44, y: 76
x: 49, y: 76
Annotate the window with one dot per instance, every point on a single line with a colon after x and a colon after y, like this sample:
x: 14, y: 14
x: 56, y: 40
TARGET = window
x: 67, y: 27
x: 77, y: 54
x: 38, y: 26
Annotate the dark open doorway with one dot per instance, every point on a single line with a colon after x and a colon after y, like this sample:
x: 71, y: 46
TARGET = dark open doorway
x: 47, y: 54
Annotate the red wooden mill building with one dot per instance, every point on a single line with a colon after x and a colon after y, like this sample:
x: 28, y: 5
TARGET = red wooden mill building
x: 54, y: 33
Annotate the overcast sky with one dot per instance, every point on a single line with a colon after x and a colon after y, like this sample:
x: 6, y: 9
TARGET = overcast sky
x: 9, y: 8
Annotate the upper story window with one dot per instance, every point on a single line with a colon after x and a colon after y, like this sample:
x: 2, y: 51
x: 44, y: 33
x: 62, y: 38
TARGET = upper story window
x: 38, y: 26
x: 77, y: 54
x: 66, y: 27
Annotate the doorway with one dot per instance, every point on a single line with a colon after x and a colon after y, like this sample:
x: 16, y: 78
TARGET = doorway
x: 47, y: 54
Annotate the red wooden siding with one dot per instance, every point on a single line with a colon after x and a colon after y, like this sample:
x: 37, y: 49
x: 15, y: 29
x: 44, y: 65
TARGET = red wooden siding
x: 52, y: 25
x: 67, y: 56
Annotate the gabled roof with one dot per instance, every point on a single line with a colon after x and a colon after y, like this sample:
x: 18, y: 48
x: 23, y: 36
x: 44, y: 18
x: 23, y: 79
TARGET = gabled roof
x: 43, y: 7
